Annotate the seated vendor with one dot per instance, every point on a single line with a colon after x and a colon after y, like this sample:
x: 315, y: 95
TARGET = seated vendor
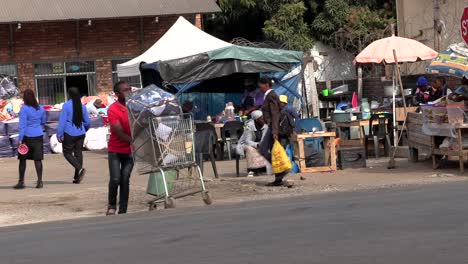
x: 255, y: 130
x: 421, y: 95
x: 441, y: 85
x: 248, y: 101
x: 438, y: 89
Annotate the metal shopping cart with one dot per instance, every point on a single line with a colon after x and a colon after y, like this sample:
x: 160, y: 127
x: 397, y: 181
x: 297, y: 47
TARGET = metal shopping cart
x: 163, y: 146
x: 165, y: 151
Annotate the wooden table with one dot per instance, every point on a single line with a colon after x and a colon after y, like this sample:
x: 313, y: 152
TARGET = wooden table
x: 362, y: 134
x: 330, y: 151
x: 460, y: 153
x: 418, y: 141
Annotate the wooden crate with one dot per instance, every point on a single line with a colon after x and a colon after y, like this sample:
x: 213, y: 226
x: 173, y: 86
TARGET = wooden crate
x: 400, y: 113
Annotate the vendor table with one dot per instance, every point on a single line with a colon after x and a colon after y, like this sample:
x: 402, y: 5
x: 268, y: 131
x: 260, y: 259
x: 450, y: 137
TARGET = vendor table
x: 460, y: 153
x: 362, y: 134
x: 418, y: 140
x: 330, y: 151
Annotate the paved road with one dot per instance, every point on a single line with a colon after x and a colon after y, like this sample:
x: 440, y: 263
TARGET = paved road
x: 417, y: 225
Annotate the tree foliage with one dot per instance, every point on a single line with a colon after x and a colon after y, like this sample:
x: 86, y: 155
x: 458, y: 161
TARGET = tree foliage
x: 352, y: 25
x: 288, y: 27
x: 345, y: 24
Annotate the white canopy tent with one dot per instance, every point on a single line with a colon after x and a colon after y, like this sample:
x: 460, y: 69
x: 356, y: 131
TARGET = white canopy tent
x: 183, y: 39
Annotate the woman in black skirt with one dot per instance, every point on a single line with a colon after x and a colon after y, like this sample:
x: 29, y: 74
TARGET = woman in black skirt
x: 31, y: 118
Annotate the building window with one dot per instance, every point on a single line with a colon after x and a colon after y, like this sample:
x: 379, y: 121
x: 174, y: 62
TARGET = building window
x: 134, y: 81
x: 9, y: 70
x: 54, y: 79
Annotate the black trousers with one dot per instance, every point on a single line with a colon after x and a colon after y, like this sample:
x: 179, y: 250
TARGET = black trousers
x: 120, y: 169
x: 73, y: 151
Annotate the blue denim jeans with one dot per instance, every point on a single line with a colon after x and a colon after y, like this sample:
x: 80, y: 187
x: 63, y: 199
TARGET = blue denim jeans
x: 120, y: 169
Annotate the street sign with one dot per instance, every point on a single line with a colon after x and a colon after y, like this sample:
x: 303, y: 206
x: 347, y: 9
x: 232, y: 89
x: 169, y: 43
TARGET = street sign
x: 464, y: 25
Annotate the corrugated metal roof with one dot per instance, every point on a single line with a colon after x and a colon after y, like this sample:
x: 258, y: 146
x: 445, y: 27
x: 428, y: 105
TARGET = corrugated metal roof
x: 49, y: 10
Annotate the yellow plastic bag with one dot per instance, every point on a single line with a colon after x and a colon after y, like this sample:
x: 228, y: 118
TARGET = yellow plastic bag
x: 279, y: 159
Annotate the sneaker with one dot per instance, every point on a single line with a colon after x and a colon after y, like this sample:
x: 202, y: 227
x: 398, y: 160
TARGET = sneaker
x: 281, y: 184
x: 275, y: 184
x: 288, y: 184
x: 251, y: 174
x: 19, y: 185
x: 81, y: 174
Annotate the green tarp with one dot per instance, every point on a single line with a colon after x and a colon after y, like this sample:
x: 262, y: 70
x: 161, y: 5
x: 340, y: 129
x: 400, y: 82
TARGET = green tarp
x: 255, y: 54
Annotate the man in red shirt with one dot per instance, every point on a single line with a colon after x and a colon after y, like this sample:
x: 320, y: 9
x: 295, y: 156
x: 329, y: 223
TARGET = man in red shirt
x: 120, y: 152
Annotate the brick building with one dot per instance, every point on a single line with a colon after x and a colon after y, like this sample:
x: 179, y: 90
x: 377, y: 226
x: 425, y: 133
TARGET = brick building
x: 58, y: 44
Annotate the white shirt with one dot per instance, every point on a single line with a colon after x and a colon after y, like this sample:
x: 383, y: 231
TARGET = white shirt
x: 266, y: 93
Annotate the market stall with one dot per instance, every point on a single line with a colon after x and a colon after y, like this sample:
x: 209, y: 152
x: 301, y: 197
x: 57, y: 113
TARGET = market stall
x: 198, y: 71
x: 441, y: 129
x: 359, y: 116
x: 210, y: 72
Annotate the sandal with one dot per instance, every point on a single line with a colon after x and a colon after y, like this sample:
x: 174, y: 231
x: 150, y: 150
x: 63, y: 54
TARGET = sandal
x: 110, y: 211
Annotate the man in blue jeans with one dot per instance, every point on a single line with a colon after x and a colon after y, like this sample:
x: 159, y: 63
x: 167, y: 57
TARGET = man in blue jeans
x: 120, y: 152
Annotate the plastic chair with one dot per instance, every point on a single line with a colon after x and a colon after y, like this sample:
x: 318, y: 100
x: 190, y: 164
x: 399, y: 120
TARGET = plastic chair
x: 231, y: 133
x: 203, y: 126
x: 204, y: 143
x: 381, y: 131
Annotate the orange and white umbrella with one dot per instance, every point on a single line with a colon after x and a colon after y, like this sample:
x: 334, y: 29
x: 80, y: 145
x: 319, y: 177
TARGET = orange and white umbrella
x: 407, y: 50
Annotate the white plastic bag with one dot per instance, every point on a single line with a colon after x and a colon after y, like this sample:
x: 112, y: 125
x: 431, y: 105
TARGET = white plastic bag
x: 96, y: 138
x: 55, y: 146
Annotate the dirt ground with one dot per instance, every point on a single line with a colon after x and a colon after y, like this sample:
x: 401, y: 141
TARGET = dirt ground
x: 60, y: 199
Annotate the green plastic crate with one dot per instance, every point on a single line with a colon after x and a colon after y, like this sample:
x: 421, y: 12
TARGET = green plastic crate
x: 156, y: 184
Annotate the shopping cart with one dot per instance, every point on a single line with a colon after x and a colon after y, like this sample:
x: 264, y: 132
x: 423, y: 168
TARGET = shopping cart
x: 166, y: 152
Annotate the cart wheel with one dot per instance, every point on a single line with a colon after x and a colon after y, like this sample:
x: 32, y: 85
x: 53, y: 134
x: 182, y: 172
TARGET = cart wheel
x: 169, y: 203
x: 207, y: 198
x: 153, y: 206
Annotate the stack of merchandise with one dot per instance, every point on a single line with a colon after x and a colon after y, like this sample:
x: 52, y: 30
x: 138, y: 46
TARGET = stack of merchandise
x: 6, y: 151
x: 46, y: 147
x: 8, y: 91
x: 50, y: 128
x: 9, y: 138
x: 144, y: 105
x: 12, y: 130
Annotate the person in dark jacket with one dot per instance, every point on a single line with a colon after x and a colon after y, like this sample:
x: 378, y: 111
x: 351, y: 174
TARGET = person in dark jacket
x: 31, y: 119
x: 271, y: 109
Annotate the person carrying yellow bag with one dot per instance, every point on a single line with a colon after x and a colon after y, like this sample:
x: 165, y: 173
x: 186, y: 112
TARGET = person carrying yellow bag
x: 271, y: 109
x: 279, y: 159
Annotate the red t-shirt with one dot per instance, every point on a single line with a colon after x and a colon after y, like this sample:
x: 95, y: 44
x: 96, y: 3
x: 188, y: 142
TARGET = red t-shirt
x: 118, y: 114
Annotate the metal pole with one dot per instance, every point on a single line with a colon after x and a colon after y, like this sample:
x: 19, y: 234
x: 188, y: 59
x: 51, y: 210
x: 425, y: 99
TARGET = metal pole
x: 304, y: 92
x: 359, y: 81
x: 395, y: 138
x: 436, y: 12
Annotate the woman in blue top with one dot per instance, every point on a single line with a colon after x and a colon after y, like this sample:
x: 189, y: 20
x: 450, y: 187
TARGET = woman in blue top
x: 31, y: 118
x: 71, y: 131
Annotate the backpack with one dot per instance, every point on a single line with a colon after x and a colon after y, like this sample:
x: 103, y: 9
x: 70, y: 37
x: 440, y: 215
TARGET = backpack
x: 286, y: 124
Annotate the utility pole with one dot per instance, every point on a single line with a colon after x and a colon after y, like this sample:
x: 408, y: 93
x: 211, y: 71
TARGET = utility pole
x: 436, y: 6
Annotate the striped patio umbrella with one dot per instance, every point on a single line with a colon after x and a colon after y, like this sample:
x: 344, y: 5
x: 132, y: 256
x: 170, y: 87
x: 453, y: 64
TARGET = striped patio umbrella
x: 453, y: 61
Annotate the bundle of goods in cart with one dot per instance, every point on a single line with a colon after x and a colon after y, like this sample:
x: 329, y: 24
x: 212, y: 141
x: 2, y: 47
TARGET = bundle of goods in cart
x: 163, y: 146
